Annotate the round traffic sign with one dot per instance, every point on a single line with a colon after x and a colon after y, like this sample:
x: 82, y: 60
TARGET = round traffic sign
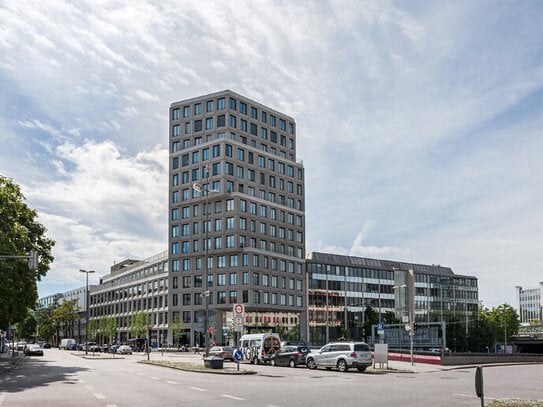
x: 238, y: 355
x: 239, y: 309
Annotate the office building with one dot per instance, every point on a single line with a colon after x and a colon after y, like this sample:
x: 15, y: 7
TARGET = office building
x: 530, y: 304
x: 340, y: 288
x: 132, y: 287
x: 236, y: 217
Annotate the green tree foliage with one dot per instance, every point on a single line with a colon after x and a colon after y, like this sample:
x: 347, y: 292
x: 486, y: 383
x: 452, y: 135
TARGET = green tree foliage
x: 108, y: 327
x: 19, y: 234
x: 176, y: 327
x: 138, y: 325
x: 93, y: 328
x: 47, y: 326
x: 26, y: 329
x: 65, y: 315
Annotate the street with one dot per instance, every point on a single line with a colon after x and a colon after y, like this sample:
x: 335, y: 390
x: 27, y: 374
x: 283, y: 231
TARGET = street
x: 61, y: 378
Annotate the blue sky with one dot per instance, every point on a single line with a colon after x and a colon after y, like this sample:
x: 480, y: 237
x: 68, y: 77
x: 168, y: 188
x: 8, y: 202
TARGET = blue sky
x: 419, y: 123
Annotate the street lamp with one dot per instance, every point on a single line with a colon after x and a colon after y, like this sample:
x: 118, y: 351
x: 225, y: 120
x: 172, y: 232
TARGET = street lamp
x: 204, y: 189
x: 86, y: 309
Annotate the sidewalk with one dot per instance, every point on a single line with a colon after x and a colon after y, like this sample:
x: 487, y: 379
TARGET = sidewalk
x: 8, y: 361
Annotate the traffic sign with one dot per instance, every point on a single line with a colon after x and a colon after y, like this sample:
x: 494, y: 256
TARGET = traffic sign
x: 238, y: 320
x: 239, y: 310
x: 238, y: 355
x: 381, y: 326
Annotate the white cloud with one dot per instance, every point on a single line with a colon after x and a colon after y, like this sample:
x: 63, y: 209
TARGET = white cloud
x: 418, y: 123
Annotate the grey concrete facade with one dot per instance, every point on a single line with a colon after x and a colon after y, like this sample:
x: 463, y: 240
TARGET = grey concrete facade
x: 245, y: 228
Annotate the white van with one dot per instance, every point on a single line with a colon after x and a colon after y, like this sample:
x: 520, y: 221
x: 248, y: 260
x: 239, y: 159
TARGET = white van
x: 258, y: 348
x: 67, y: 343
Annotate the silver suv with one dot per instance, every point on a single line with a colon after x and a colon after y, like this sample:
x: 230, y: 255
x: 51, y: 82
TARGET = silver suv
x: 343, y: 355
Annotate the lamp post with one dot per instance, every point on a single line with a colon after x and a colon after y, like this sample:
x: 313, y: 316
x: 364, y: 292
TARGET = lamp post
x: 204, y: 189
x: 86, y: 309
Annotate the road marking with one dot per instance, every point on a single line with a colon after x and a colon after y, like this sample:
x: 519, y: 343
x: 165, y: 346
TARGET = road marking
x: 471, y: 396
x: 99, y: 396
x: 141, y: 374
x: 232, y: 397
x: 88, y: 387
x: 197, y: 388
x: 154, y: 377
x: 169, y: 381
x: 2, y: 395
x: 111, y: 405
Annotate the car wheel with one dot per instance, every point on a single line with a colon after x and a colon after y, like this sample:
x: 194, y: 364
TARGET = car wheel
x: 272, y: 362
x: 292, y: 363
x: 311, y: 363
x: 342, y: 365
x: 361, y: 369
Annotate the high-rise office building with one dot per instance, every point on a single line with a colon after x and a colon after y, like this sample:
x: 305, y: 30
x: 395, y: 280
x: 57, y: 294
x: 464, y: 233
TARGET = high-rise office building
x: 236, y: 218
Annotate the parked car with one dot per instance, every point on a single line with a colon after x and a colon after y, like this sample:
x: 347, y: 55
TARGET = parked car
x: 124, y: 350
x: 91, y: 347
x: 105, y: 348
x: 341, y: 355
x: 46, y: 345
x: 33, y: 350
x: 21, y: 345
x: 291, y: 356
x: 113, y: 348
x: 67, y: 343
x: 225, y: 352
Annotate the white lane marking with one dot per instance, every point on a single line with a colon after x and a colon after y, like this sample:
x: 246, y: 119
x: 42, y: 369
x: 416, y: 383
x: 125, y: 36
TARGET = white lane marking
x: 111, y: 405
x: 197, y: 388
x: 232, y: 397
x: 154, y: 377
x: 99, y: 396
x: 141, y: 374
x: 471, y: 396
x: 169, y: 381
x: 2, y: 395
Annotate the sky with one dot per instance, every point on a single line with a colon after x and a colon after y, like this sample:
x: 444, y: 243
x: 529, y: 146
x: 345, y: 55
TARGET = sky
x: 419, y: 123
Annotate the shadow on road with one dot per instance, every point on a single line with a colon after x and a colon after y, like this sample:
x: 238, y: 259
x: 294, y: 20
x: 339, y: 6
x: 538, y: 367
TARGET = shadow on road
x: 33, y: 372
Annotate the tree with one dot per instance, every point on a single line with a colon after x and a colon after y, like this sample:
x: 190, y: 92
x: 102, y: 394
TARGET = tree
x: 20, y: 233
x: 65, y: 315
x: 176, y: 327
x: 26, y: 329
x: 138, y: 325
x: 47, y: 326
x: 108, y: 326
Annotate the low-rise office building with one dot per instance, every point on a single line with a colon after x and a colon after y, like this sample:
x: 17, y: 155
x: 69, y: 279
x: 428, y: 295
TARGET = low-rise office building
x: 132, y: 287
x: 340, y: 288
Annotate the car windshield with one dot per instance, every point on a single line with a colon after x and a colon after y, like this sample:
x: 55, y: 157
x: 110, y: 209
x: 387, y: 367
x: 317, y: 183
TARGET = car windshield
x: 361, y: 347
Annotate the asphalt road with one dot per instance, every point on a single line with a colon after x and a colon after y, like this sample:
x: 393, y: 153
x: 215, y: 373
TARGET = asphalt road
x: 61, y: 378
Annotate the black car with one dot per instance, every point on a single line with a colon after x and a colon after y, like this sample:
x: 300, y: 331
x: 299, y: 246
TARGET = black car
x: 289, y: 356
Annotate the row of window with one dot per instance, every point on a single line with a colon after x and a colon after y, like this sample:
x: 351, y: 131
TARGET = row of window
x: 189, y: 264
x: 132, y: 306
x: 252, y: 208
x: 231, y: 297
x: 123, y: 322
x: 149, y: 287
x: 206, y: 153
x: 264, y: 229
x: 223, y: 279
x: 212, y: 105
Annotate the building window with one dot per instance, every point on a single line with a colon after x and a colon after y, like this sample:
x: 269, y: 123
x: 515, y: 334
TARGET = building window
x: 198, y: 108
x: 175, y: 114
x: 176, y: 130
x: 186, y: 111
x: 221, y: 104
x: 209, y: 123
x: 210, y: 106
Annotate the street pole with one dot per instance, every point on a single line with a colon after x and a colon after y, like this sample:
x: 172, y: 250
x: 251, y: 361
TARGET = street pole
x: 86, y: 309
